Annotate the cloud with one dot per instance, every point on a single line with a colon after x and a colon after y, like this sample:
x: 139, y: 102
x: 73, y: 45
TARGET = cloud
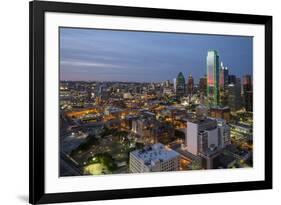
x: 89, y: 64
x: 95, y: 54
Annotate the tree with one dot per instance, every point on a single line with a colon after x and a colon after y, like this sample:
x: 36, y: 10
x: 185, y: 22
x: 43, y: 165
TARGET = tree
x: 196, y: 165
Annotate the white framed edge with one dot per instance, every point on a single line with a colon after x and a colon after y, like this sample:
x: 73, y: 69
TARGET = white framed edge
x: 56, y: 184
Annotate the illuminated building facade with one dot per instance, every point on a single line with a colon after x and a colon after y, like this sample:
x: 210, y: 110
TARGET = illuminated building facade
x: 223, y: 85
x: 223, y: 76
x: 248, y: 93
x: 234, y: 95
x: 143, y: 127
x: 213, y: 74
x: 220, y: 112
x: 180, y: 85
x: 190, y: 85
x: 203, y: 85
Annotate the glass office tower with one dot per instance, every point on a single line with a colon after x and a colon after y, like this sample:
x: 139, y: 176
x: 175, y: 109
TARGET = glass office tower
x: 213, y: 77
x: 180, y: 85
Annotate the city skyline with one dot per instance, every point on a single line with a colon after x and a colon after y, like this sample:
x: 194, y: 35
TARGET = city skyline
x: 127, y: 56
x: 130, y: 105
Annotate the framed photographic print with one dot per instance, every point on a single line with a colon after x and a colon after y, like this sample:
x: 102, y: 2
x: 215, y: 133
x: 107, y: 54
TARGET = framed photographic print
x: 140, y: 102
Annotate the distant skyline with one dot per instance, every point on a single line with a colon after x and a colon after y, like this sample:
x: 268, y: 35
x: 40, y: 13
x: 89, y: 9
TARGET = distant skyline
x: 108, y: 55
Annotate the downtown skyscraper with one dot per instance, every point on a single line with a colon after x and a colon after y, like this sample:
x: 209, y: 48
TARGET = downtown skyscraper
x: 223, y: 85
x: 203, y: 85
x: 180, y: 85
x: 190, y: 85
x: 234, y: 94
x: 248, y: 92
x: 213, y: 77
x: 223, y: 76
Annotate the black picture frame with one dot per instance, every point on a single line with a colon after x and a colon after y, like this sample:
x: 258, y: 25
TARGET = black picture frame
x: 37, y: 11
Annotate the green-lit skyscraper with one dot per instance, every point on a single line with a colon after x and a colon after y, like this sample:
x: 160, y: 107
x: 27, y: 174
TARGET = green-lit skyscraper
x: 213, y: 77
x: 180, y: 85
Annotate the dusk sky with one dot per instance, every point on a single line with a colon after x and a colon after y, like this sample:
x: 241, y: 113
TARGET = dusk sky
x: 107, y: 55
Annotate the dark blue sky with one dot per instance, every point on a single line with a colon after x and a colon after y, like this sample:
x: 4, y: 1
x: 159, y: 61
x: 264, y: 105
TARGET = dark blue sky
x: 107, y: 55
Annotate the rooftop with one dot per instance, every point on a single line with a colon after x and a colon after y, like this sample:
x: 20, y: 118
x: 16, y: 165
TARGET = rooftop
x: 153, y: 153
x: 199, y: 120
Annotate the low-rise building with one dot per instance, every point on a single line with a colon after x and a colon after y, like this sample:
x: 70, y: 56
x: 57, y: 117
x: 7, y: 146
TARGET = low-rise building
x: 220, y: 112
x: 154, y: 158
x: 242, y: 128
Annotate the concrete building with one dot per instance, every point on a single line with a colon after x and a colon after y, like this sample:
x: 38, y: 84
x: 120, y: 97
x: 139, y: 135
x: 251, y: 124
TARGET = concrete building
x: 154, y: 158
x: 175, y: 84
x: 151, y: 130
x: 190, y: 85
x: 242, y: 128
x: 142, y: 127
x: 103, y: 93
x: 201, y: 129
x: 207, y: 138
x: 234, y: 95
x: 224, y: 133
x: 109, y: 110
x: 201, y: 111
x: 127, y: 96
x: 248, y: 92
x: 220, y: 112
x: 223, y: 76
x: 203, y: 85
x: 208, y: 157
x: 167, y: 91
